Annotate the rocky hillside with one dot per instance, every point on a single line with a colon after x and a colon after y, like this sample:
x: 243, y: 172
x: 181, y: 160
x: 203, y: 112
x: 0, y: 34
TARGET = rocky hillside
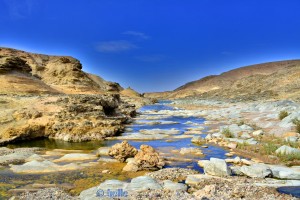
x: 51, y: 96
x: 279, y: 80
x: 23, y: 72
x: 66, y: 117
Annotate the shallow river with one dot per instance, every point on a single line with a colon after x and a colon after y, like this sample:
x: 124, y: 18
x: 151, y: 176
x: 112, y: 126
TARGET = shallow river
x: 168, y: 147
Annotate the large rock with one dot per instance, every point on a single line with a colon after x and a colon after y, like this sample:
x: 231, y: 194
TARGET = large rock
x: 76, y: 157
x: 195, y: 179
x: 256, y: 171
x: 270, y: 182
x: 16, y: 156
x: 36, y: 167
x: 291, y: 139
x: 27, y: 131
x: 173, y: 186
x: 247, y: 128
x: 245, y: 136
x: 208, y: 137
x: 160, y: 131
x: 202, y: 162
x: 95, y: 193
x: 146, y: 159
x: 287, y: 122
x: 236, y: 170
x: 216, y: 167
x: 258, y: 133
x: 232, y: 145
x: 103, y: 151
x: 191, y: 150
x: 142, y: 183
x: 198, y: 140
x: 250, y: 141
x: 286, y: 150
x: 122, y: 151
x: 235, y: 160
x: 131, y: 166
x: 283, y: 172
x: 34, y: 157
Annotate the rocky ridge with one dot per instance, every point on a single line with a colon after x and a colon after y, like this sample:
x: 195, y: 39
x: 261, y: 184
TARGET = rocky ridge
x: 274, y: 80
x: 22, y: 72
x: 51, y: 96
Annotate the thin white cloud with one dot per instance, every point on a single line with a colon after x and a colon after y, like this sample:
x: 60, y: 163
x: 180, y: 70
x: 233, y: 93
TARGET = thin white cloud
x: 20, y: 9
x: 137, y: 34
x: 150, y: 58
x: 115, y: 46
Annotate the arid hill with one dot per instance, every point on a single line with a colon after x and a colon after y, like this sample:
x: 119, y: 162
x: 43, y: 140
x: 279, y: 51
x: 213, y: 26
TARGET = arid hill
x: 51, y: 96
x: 23, y: 72
x: 279, y: 80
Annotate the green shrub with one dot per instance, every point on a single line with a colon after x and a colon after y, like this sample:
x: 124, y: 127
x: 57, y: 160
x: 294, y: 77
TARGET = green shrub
x: 227, y: 133
x: 243, y: 145
x: 269, y: 148
x: 240, y: 123
x: 297, y: 123
x: 283, y: 114
x: 289, y: 157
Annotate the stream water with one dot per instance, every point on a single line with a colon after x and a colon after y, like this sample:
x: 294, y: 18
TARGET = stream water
x: 169, y: 147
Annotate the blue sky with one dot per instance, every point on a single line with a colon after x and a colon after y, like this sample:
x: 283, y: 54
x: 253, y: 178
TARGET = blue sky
x: 155, y: 45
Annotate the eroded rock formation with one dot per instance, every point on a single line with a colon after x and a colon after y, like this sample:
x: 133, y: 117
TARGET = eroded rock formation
x: 51, y: 96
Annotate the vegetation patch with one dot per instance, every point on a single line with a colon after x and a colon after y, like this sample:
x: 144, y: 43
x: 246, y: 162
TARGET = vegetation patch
x: 227, y: 133
x: 240, y: 123
x: 4, y: 190
x: 289, y: 157
x: 266, y: 148
x: 283, y: 114
x: 269, y: 148
x: 243, y: 145
x: 297, y: 123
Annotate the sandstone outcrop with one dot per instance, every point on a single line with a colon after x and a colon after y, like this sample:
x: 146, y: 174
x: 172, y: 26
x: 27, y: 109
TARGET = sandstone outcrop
x: 68, y: 117
x: 51, y: 96
x: 146, y: 159
x: 122, y: 151
x: 48, y: 74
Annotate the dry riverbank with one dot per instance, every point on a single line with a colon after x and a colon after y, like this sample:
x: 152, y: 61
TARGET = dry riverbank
x: 180, y: 138
x: 262, y: 119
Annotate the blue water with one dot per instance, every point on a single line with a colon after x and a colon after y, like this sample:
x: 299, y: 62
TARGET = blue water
x: 165, y: 145
x: 292, y: 190
x: 173, y: 144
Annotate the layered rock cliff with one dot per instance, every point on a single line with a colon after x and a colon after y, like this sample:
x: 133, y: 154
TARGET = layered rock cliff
x: 23, y: 72
x: 51, y: 96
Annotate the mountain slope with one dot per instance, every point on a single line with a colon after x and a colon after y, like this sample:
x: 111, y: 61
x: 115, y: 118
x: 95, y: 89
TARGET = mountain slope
x: 268, y: 80
x: 87, y: 107
x: 23, y: 72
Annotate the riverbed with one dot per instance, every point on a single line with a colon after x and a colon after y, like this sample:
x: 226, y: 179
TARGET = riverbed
x: 139, y: 132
